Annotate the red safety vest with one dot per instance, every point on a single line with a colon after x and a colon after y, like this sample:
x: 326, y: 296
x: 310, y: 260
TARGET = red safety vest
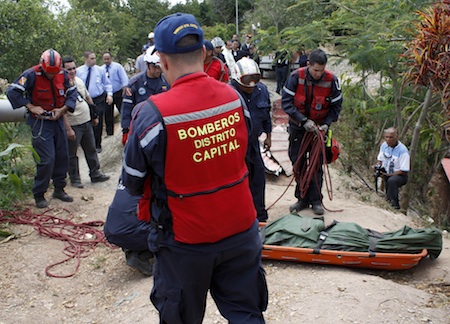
x: 49, y: 94
x: 321, y: 91
x: 205, y: 172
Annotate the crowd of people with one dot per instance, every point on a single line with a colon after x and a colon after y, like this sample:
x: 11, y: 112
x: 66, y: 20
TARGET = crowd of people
x: 188, y: 153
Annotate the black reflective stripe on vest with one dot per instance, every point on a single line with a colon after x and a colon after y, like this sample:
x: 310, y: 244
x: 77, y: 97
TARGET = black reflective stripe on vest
x: 206, y: 192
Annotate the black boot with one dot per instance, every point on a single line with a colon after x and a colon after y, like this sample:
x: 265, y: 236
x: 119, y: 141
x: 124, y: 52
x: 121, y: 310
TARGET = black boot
x: 41, y: 202
x: 62, y: 195
x: 140, y: 260
x: 298, y: 206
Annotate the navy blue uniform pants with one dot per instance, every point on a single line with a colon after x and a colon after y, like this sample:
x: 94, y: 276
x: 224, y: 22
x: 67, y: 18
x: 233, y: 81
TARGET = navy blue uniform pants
x: 257, y: 179
x: 84, y: 136
x: 50, y: 142
x: 230, y: 269
x: 282, y: 73
x: 314, y: 192
x: 122, y: 227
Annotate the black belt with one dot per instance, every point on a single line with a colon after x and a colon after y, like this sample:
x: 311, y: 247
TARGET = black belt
x: 100, y: 98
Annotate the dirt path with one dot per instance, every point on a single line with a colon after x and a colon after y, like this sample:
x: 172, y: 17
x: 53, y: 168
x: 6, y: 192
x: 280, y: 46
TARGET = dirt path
x: 106, y: 291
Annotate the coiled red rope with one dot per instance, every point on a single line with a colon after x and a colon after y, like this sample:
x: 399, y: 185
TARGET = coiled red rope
x: 313, y: 146
x: 79, y: 239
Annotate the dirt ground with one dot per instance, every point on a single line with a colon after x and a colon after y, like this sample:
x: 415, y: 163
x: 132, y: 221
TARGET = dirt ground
x: 106, y: 290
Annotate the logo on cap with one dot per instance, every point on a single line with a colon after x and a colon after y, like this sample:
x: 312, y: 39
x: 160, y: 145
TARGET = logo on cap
x: 176, y: 31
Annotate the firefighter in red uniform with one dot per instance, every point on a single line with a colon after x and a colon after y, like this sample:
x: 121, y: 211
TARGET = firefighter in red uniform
x: 312, y: 98
x: 192, y: 142
x: 46, y: 92
x: 213, y: 66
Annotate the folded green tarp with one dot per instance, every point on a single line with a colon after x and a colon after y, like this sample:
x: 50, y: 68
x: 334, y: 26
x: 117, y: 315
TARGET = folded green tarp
x: 306, y: 232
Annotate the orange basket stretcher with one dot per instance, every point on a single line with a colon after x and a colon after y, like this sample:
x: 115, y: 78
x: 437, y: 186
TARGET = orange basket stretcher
x: 370, y: 260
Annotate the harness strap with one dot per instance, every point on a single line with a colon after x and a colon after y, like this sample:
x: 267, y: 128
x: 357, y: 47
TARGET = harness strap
x: 323, y: 236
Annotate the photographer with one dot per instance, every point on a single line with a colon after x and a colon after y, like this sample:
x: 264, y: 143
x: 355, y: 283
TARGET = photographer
x: 393, y: 165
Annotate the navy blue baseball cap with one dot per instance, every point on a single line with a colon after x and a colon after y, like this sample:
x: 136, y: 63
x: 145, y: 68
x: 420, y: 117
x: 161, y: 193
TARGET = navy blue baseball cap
x: 171, y: 29
x: 209, y: 46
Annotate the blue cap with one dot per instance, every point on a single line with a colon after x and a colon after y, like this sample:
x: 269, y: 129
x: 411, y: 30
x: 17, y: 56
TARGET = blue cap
x: 171, y: 29
x: 209, y: 46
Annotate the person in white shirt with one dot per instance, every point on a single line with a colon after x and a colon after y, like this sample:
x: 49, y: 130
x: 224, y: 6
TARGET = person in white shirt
x: 79, y: 131
x: 393, y: 159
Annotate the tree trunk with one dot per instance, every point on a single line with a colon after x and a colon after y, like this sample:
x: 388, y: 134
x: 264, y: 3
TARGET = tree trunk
x: 397, y: 99
x: 415, y: 145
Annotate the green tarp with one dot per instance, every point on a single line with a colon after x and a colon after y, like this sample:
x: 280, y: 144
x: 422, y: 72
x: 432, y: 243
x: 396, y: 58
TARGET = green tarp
x: 306, y: 232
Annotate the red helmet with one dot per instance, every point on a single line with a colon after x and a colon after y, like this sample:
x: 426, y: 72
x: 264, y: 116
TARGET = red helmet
x: 332, y: 152
x: 51, y: 61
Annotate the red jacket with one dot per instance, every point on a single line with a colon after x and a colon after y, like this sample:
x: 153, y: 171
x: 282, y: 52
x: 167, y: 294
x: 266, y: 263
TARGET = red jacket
x: 49, y: 94
x: 318, y: 94
x: 205, y: 166
x: 217, y: 69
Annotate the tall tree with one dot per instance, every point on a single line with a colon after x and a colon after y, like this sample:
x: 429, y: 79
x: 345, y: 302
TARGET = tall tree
x: 27, y: 29
x: 428, y: 59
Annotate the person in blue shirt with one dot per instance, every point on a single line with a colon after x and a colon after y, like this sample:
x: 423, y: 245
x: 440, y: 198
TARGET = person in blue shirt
x: 246, y: 78
x: 140, y: 88
x: 119, y: 80
x: 394, y: 158
x: 100, y: 90
x: 139, y: 65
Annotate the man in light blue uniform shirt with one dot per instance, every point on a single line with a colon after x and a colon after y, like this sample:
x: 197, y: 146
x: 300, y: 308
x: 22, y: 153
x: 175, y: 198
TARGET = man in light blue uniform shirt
x: 100, y: 90
x: 119, y: 80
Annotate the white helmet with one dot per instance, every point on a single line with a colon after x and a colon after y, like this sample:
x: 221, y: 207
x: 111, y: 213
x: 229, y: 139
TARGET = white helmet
x: 151, y: 35
x: 246, y: 72
x: 217, y: 42
x: 151, y: 58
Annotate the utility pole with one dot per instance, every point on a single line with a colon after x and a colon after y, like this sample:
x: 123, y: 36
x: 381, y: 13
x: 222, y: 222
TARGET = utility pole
x: 237, y: 19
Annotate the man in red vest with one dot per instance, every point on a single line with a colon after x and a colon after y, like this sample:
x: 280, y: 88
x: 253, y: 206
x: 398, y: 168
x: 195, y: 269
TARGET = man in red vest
x: 312, y: 98
x: 46, y: 92
x: 192, y: 142
x: 214, y: 66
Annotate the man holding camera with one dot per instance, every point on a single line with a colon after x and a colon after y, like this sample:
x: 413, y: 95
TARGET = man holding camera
x: 393, y: 164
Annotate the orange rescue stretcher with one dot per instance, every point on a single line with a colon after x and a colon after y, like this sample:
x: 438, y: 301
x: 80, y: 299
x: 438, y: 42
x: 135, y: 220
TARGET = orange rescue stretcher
x: 370, y: 260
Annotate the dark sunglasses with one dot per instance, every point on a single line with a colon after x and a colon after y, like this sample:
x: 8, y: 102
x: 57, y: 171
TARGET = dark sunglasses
x: 250, y: 79
x: 70, y: 69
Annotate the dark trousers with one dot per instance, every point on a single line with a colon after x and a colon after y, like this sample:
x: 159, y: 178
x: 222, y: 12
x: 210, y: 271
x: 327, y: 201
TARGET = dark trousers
x: 392, y: 186
x: 232, y: 273
x: 314, y: 192
x: 257, y: 179
x: 117, y: 100
x: 50, y: 142
x: 104, y: 112
x: 282, y: 73
x: 85, y: 137
x: 122, y: 227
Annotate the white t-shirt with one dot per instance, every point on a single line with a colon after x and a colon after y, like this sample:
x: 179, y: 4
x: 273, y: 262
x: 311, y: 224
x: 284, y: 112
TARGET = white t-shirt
x: 398, y: 155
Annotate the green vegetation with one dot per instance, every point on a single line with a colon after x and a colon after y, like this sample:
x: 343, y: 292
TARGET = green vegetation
x: 17, y: 165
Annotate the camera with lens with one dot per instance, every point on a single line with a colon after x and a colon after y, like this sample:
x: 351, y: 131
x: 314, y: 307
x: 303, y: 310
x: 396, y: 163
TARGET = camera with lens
x: 378, y: 170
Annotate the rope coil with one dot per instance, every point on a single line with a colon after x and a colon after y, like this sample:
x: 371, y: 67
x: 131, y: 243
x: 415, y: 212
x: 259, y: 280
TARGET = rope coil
x: 80, y: 239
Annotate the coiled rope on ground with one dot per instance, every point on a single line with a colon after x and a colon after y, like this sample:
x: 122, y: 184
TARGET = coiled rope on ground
x: 80, y: 239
